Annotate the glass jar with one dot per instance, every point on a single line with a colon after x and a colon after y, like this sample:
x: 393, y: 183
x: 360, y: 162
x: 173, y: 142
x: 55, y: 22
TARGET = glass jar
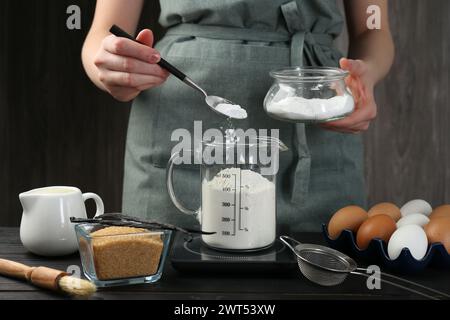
x: 309, y: 95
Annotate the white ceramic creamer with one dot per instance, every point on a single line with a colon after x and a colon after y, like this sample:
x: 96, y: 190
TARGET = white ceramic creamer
x: 45, y: 228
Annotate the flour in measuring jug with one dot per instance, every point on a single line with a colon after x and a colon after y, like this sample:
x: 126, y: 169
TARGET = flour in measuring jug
x: 239, y: 205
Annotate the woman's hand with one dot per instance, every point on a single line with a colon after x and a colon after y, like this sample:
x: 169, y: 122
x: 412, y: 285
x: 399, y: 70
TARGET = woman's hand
x: 361, y: 84
x: 125, y: 68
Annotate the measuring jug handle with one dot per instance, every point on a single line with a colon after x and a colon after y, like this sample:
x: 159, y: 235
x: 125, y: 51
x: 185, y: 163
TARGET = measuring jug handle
x: 171, y: 191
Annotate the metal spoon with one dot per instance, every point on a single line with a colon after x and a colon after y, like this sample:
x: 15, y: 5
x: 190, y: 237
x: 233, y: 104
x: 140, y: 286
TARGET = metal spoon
x: 211, y: 101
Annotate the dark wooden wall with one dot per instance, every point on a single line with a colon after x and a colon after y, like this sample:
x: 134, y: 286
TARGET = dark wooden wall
x: 56, y: 128
x: 408, y: 147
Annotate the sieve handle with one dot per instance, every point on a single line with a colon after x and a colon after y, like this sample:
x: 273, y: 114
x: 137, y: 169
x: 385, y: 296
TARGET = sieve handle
x: 417, y: 285
x: 286, y: 240
x: 400, y: 286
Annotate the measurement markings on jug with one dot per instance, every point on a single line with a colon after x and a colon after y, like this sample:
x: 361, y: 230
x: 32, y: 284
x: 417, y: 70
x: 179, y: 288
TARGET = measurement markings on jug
x: 235, y: 199
x: 240, y: 201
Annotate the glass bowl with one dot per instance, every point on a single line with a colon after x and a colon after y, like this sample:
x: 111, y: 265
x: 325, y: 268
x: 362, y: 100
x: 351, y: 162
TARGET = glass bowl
x: 122, y: 259
x: 309, y: 95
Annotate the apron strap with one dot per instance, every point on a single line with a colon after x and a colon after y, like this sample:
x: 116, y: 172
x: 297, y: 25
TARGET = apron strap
x: 301, y: 176
x: 245, y: 34
x: 296, y: 28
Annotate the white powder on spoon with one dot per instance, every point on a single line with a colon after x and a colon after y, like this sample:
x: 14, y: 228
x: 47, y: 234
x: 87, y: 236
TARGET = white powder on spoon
x: 232, y: 110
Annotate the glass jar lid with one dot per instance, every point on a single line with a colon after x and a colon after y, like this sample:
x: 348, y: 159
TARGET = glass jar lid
x: 309, y: 74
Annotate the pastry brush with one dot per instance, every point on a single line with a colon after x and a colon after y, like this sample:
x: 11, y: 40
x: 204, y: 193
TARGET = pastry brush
x: 47, y: 278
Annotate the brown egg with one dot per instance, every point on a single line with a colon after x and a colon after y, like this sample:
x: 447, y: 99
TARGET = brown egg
x: 441, y: 211
x: 438, y: 230
x: 378, y: 226
x: 347, y: 218
x: 386, y: 208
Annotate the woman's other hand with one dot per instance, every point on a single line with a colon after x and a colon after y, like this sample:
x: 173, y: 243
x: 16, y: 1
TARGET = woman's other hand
x: 125, y: 67
x: 362, y: 87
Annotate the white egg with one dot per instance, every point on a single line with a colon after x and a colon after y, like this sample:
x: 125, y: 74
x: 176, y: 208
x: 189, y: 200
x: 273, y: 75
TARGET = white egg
x: 414, y: 218
x: 410, y: 236
x: 416, y: 206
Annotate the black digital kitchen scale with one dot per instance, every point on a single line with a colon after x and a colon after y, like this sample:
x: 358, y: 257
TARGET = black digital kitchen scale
x: 195, y: 256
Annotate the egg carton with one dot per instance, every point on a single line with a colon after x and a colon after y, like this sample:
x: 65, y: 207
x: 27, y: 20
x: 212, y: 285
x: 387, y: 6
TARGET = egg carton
x: 376, y: 253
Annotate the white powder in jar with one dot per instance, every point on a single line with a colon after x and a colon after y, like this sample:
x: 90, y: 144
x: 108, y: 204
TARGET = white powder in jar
x: 239, y: 205
x: 234, y: 111
x: 299, y: 108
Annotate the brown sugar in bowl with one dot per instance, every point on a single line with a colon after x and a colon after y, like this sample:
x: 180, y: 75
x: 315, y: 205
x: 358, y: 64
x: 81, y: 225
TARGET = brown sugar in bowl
x: 125, y: 252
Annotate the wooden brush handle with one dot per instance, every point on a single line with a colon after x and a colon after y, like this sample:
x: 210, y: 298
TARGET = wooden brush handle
x: 15, y: 269
x: 40, y: 276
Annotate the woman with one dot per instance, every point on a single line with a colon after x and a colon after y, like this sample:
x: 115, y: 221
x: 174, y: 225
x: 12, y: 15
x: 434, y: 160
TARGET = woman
x: 229, y: 47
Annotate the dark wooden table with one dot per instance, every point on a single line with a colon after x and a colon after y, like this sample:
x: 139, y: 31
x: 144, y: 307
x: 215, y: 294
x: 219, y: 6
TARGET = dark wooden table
x: 175, y: 285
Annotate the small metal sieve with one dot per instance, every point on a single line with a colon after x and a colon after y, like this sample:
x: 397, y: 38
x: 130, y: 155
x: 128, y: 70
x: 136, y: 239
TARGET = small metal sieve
x: 329, y: 267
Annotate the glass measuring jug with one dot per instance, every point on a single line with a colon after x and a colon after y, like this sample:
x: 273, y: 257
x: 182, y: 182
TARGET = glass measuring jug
x: 238, y: 193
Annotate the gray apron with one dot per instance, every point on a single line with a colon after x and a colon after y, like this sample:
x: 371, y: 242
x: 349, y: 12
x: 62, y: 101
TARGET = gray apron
x: 229, y: 47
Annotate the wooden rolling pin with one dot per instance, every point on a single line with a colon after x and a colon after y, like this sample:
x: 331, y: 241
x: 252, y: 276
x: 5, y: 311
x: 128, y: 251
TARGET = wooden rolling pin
x: 47, y: 278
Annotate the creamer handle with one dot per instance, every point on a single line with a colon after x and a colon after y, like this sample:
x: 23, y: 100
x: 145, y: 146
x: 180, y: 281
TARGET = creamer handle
x: 98, y: 202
